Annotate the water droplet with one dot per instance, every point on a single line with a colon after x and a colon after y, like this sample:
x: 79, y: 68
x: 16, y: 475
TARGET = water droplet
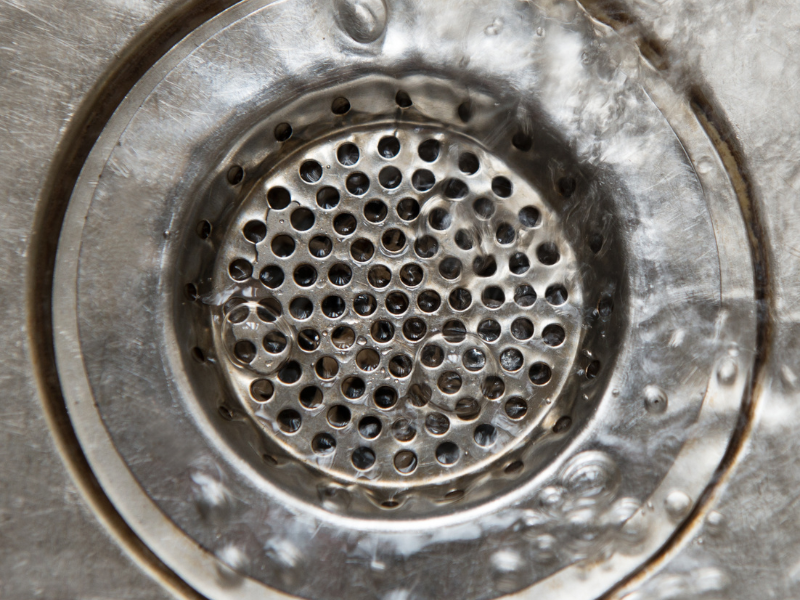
x: 715, y: 522
x: 678, y: 504
x: 362, y: 20
x: 655, y: 399
x: 361, y: 340
x: 726, y: 373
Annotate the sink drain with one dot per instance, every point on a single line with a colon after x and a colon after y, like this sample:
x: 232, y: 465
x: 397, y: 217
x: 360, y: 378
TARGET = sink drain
x: 407, y: 306
x: 346, y: 299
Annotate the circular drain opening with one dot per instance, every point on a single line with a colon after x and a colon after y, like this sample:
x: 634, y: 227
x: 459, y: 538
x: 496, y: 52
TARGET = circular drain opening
x: 414, y: 296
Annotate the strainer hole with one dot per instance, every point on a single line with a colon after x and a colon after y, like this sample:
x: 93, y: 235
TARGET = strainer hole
x: 483, y: 207
x: 235, y: 175
x: 255, y: 231
x: 408, y: 209
x: 429, y: 301
x: 302, y: 219
x: 447, y: 453
x: 411, y: 274
x: 516, y: 408
x: 305, y: 275
x: 344, y: 224
x: 365, y: 304
x: 333, y: 307
x: 493, y: 297
x: 348, y: 154
x: 414, y: 329
x: 340, y: 106
x: 198, y: 354
x: 402, y: 99
x: 595, y: 242
x: 240, y: 269
x: 382, y: 331
x: 419, y: 395
x: 289, y: 420
x: 567, y: 186
x: 522, y: 329
x: 431, y: 356
x: 464, y: 239
x: 440, y: 219
x: 308, y: 340
x: 343, y: 337
x: 605, y: 306
x: 556, y: 295
x: 489, y: 330
x: 593, y: 369
x: 514, y: 467
x: 290, y: 372
x: 454, y: 331
x: 203, y: 230
x: 282, y: 132
x: 328, y: 198
x: 311, y: 171
x: 505, y: 234
x: 539, y: 373
x: 368, y: 360
x: 390, y: 177
x: 353, y: 388
x: 474, y: 359
x: 455, y: 189
x: 548, y: 253
x: 338, y: 416
x: 405, y: 462
x: 553, y: 335
x: 362, y: 250
x: 393, y: 240
x: 529, y: 216
x: 396, y: 303
x: 502, y: 186
x: 449, y: 382
x: 363, y: 459
x: 282, y: 246
x: 385, y: 397
x: 320, y: 246
x: 437, y: 424
x: 301, y: 308
x: 278, y: 198
x: 403, y: 430
x: 460, y: 299
x: 340, y: 274
x: 379, y: 276
x: 465, y: 111
x: 450, y: 268
x: 518, y: 263
x: 357, y: 184
x: 323, y: 443
x: 493, y: 387
x: 485, y: 435
x: 484, y: 266
x: 468, y: 163
x: 268, y: 310
x: 524, y: 296
x: 274, y: 342
x: 225, y: 412
x: 326, y: 368
x: 370, y: 427
x: 426, y: 246
x: 190, y: 290
x: 522, y: 141
x: 423, y: 180
x: 375, y: 211
x: 262, y: 390
x: 562, y: 425
x: 400, y: 366
x: 429, y: 150
x: 511, y: 360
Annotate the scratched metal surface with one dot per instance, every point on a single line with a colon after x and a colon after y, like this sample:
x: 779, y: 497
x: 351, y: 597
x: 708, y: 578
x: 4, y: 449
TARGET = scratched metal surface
x: 740, y: 543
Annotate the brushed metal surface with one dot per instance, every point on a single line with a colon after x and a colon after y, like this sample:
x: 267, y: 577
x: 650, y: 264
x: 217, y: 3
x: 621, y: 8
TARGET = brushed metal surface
x: 741, y: 540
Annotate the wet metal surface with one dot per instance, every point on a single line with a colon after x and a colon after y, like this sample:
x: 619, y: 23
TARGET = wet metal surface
x: 227, y: 488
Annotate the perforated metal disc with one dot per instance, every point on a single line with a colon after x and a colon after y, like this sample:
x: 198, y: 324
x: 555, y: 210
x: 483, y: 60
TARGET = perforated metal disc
x: 398, y: 310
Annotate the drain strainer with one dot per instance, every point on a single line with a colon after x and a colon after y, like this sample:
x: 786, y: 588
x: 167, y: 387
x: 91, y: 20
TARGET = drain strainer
x: 365, y: 304
x: 401, y: 306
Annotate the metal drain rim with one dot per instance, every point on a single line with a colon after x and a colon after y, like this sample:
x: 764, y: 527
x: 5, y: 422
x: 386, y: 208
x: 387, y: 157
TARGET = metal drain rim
x: 75, y: 402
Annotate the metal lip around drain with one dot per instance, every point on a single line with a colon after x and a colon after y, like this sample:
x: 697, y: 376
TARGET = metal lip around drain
x: 210, y: 490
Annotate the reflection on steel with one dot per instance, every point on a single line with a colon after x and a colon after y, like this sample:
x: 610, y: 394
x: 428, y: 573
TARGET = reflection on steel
x: 411, y: 300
